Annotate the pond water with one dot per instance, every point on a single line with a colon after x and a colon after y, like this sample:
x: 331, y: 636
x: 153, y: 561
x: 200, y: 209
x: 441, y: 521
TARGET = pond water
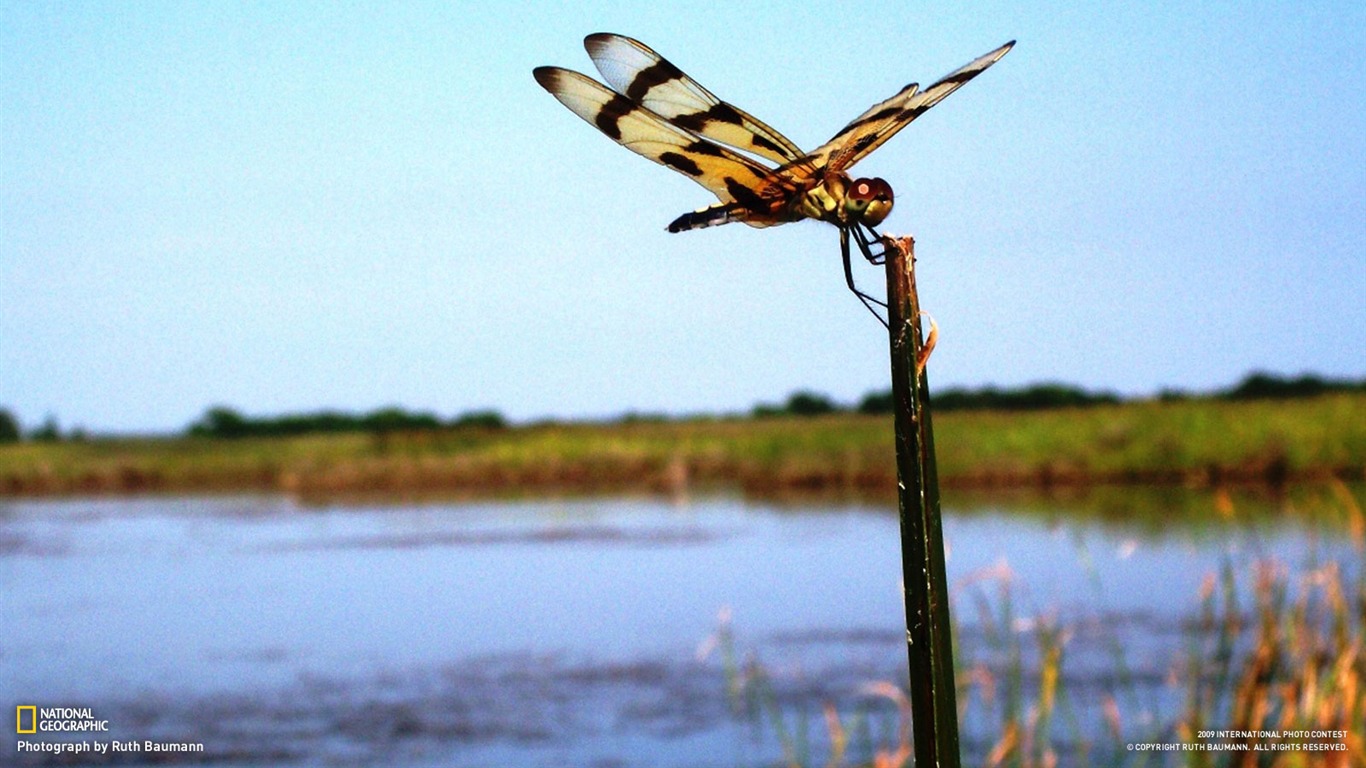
x: 594, y: 632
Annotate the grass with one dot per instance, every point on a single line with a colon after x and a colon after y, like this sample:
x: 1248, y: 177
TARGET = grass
x: 1270, y: 672
x: 1195, y: 441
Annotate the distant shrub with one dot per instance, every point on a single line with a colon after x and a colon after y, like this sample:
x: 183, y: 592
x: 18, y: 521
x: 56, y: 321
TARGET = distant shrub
x: 221, y: 421
x: 480, y: 420
x: 49, y: 432
x: 9, y: 427
x: 877, y: 402
x: 767, y: 411
x: 398, y: 420
x: 802, y: 403
x: 810, y: 404
x: 643, y: 417
x: 1261, y: 385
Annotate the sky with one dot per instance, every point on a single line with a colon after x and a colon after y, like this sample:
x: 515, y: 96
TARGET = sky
x: 290, y: 207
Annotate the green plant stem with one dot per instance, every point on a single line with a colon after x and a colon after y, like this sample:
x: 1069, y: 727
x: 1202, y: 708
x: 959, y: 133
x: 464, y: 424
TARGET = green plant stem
x: 934, y: 709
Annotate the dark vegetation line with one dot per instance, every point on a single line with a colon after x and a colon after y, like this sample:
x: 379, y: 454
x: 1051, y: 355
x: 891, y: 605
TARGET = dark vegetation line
x: 226, y: 422
x: 1037, y: 397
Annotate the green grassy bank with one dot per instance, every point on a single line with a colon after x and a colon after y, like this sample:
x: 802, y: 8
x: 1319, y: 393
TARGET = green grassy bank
x: 1198, y: 441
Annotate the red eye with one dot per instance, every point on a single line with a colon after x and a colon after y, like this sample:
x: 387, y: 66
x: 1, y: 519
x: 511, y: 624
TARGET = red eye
x: 871, y: 189
x: 868, y: 201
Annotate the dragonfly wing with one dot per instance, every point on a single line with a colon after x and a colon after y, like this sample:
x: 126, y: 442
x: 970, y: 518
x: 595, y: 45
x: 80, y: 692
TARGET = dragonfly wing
x: 880, y: 122
x: 729, y: 175
x: 646, y: 78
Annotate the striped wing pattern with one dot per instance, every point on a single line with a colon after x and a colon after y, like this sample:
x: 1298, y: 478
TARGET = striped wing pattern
x: 647, y: 79
x: 727, y: 174
x: 658, y: 112
x: 873, y: 128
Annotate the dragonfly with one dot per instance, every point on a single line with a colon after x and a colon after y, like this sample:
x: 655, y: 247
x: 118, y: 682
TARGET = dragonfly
x: 759, y: 176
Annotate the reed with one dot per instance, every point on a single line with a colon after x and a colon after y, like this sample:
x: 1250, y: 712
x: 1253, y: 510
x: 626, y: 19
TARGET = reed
x: 1270, y: 649
x: 1294, y: 661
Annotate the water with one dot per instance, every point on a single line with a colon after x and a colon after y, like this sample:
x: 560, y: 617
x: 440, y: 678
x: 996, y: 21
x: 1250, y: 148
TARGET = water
x: 576, y: 632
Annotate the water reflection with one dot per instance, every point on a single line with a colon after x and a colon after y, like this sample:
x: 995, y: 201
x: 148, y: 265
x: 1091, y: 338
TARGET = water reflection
x: 565, y: 632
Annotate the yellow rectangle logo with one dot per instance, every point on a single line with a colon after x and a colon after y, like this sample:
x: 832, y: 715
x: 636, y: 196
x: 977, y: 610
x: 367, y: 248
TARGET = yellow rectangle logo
x: 32, y: 719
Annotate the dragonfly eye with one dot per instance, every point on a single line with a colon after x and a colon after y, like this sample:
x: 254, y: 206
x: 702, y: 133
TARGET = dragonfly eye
x: 868, y: 201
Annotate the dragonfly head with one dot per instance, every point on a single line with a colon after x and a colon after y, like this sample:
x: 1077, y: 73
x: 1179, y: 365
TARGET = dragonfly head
x: 868, y: 201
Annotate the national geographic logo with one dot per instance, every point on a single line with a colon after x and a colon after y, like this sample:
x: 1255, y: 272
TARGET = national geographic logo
x: 60, y: 724
x: 33, y: 719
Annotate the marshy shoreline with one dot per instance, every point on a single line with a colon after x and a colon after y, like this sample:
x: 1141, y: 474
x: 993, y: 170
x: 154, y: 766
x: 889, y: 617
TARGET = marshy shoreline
x: 1199, y: 443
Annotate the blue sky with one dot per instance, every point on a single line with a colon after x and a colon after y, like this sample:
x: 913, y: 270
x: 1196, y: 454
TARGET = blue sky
x: 292, y: 207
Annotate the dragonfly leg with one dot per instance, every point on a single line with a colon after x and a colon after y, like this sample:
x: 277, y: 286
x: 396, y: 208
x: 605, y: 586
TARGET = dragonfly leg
x: 868, y: 301
x: 868, y: 239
